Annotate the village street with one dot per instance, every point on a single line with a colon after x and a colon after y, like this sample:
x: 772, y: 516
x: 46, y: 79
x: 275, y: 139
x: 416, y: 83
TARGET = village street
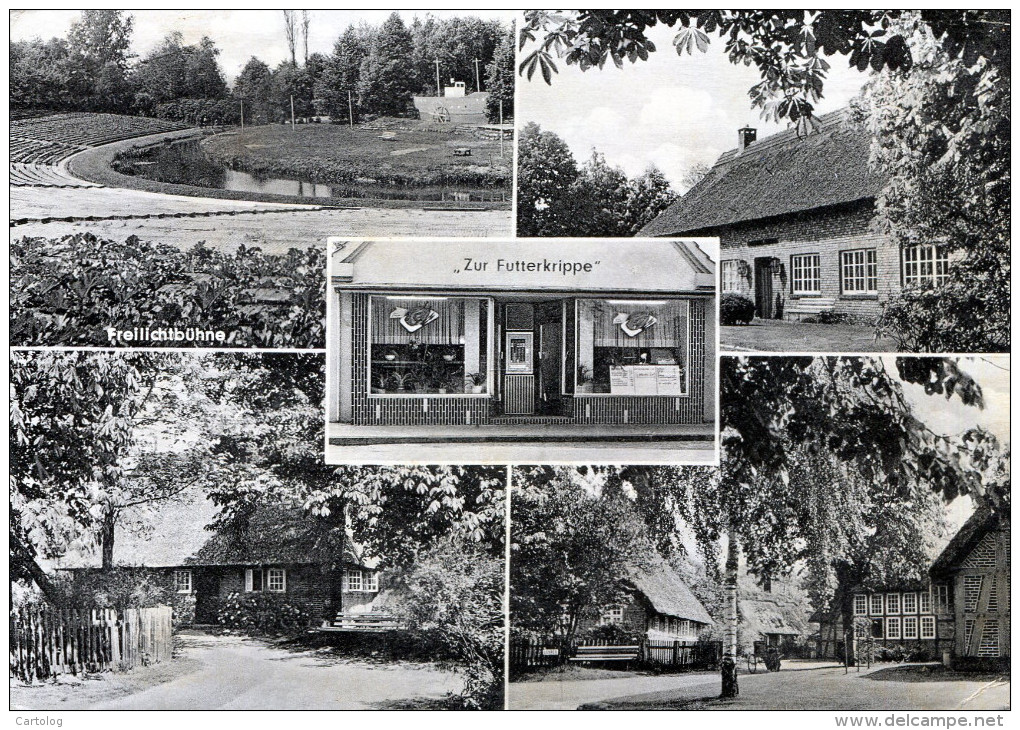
x: 800, y: 685
x: 235, y: 673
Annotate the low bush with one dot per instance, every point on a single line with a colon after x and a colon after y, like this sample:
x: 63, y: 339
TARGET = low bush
x: 735, y: 309
x: 951, y: 317
x: 69, y: 291
x: 261, y: 613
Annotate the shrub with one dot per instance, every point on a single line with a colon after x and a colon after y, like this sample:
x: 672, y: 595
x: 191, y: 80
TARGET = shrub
x: 68, y: 291
x: 453, y: 596
x: 609, y: 632
x: 946, y: 318
x: 261, y: 613
x: 735, y: 309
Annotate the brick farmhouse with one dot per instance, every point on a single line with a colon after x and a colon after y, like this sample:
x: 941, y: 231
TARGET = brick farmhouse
x: 794, y: 217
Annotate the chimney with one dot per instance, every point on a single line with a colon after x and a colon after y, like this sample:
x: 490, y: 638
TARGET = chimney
x: 745, y: 136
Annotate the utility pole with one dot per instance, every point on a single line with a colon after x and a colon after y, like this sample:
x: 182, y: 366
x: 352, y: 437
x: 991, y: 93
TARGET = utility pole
x: 501, y: 128
x: 242, y: 115
x: 478, y: 75
x: 439, y: 90
x: 293, y: 124
x: 350, y: 108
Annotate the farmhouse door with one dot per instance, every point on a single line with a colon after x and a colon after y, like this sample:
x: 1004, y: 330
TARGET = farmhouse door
x: 764, y: 296
x: 207, y: 594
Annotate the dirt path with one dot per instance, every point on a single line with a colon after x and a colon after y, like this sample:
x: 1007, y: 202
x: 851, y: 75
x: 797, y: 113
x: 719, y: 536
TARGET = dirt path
x: 570, y: 694
x: 231, y: 673
x: 806, y: 686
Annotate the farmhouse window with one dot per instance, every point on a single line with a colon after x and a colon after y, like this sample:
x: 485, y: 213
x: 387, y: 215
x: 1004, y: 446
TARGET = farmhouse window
x: 892, y: 627
x: 877, y: 604
x: 910, y: 627
x: 925, y: 265
x: 927, y: 627
x: 860, y: 604
x: 276, y: 580
x: 941, y: 595
x: 924, y: 599
x: 182, y: 581
x: 807, y: 274
x: 859, y: 271
x: 253, y: 579
x: 613, y: 615
x: 371, y: 581
x: 354, y: 580
x: 632, y: 347
x: 892, y: 603
x: 432, y: 345
x: 734, y: 275
x: 909, y: 603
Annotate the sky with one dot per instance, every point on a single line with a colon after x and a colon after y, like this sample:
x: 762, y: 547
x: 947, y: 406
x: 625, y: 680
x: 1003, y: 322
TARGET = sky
x: 675, y: 112
x: 952, y: 417
x: 239, y: 34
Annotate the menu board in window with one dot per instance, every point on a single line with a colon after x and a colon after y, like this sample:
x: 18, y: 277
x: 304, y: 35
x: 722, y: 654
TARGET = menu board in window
x: 621, y: 381
x: 670, y: 380
x: 645, y: 379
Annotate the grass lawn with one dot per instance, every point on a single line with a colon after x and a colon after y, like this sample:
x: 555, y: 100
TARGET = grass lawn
x: 411, y: 153
x: 775, y: 335
x: 883, y: 687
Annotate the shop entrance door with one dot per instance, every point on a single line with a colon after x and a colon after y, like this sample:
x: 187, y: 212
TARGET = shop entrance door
x: 550, y: 358
x: 519, y: 375
x: 532, y: 358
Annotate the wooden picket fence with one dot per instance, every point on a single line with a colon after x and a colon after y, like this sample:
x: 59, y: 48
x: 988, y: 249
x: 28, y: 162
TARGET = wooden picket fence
x: 530, y: 653
x: 47, y: 642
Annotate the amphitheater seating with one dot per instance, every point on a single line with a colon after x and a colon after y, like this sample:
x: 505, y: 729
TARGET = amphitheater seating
x: 40, y: 144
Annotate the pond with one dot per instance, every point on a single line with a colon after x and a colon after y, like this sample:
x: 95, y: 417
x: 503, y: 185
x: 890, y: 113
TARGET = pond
x: 184, y: 163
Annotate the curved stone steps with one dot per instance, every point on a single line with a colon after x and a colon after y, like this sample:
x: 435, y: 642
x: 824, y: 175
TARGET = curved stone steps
x: 30, y: 174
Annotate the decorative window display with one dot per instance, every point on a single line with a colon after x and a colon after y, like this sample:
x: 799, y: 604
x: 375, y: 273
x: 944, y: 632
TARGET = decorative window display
x: 431, y: 345
x: 634, y: 347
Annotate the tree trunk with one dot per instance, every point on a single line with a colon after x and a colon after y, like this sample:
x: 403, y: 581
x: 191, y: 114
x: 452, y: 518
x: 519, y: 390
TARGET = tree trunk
x: 106, y: 537
x: 729, y: 661
x: 24, y: 557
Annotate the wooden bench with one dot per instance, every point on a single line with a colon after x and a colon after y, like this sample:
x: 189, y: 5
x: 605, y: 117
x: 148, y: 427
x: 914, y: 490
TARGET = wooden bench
x: 809, y: 307
x: 363, y: 622
x: 462, y: 152
x: 606, y: 653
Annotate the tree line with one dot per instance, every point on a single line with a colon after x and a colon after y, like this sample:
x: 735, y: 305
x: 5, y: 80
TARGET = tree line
x: 557, y: 196
x: 376, y: 70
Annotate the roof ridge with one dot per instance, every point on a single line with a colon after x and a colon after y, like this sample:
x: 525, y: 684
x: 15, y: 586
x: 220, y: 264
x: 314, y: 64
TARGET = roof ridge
x: 826, y: 123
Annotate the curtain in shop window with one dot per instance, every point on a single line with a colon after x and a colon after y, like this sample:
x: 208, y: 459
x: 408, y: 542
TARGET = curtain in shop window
x: 619, y: 324
x: 441, y: 321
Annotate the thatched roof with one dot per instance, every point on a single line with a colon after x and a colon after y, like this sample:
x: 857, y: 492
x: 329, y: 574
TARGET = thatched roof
x: 980, y: 524
x: 666, y: 591
x: 275, y: 535
x: 773, y: 616
x: 778, y: 175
